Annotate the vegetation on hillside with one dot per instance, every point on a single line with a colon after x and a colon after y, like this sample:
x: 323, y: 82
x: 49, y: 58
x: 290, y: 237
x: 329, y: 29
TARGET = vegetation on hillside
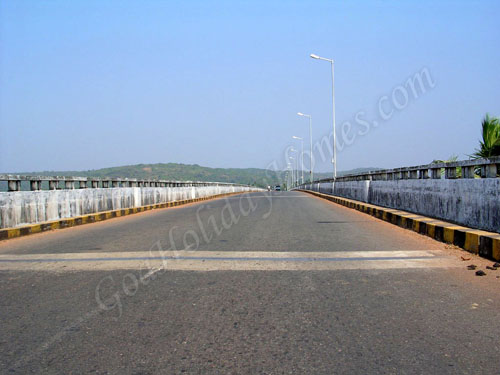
x: 194, y: 172
x: 178, y: 172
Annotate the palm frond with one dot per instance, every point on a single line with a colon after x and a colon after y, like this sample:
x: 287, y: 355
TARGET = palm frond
x: 490, y: 144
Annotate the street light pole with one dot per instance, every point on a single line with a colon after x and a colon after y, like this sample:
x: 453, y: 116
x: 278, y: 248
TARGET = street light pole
x: 296, y: 166
x: 301, y: 156
x: 293, y: 175
x: 334, y: 160
x: 311, y: 142
x: 288, y: 176
x: 296, y: 171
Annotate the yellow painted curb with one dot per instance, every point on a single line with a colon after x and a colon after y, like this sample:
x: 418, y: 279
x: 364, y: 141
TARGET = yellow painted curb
x: 8, y: 233
x: 485, y: 244
x: 496, y: 248
x: 449, y: 234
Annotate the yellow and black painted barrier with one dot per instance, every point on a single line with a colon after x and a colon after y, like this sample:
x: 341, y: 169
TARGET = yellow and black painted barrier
x: 485, y: 244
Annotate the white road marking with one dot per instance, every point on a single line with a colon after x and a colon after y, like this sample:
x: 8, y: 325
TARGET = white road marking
x: 228, y: 260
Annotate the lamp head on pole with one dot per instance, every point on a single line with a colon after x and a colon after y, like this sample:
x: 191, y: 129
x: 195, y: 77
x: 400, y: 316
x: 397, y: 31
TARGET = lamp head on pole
x: 320, y: 58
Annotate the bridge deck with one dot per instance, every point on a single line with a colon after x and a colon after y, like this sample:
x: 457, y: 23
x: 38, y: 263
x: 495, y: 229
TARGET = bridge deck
x: 265, y: 282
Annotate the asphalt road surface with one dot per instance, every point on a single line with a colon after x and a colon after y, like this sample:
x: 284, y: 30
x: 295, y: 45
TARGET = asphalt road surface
x: 269, y: 283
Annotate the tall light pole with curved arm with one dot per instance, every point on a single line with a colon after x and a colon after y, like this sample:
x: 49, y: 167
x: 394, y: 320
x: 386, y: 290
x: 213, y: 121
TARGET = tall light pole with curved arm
x: 311, y: 141
x: 334, y: 160
x: 289, y: 179
x: 301, y: 155
x: 296, y: 165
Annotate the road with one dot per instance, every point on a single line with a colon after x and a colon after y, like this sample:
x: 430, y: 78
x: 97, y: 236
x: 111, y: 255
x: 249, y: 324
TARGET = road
x: 271, y: 283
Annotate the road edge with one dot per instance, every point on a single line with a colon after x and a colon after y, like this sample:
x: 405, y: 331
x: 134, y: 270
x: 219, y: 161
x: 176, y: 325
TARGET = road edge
x: 8, y: 233
x: 479, y: 242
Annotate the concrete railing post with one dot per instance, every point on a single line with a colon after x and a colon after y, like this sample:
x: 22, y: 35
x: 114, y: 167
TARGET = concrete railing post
x: 69, y: 184
x: 483, y: 171
x: 423, y: 174
x: 14, y: 185
x: 83, y: 184
x: 53, y: 184
x: 467, y: 172
x: 436, y: 173
x: 35, y: 185
x: 94, y: 184
x: 491, y: 170
x: 450, y: 172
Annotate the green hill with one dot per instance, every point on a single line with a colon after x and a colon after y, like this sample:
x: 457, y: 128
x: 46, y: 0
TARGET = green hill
x: 190, y: 172
x: 178, y: 172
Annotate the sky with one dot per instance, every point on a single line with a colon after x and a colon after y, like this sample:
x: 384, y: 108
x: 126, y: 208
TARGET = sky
x: 92, y: 84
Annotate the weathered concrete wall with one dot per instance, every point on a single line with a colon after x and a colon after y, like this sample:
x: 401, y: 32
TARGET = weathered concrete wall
x: 470, y: 202
x: 28, y: 207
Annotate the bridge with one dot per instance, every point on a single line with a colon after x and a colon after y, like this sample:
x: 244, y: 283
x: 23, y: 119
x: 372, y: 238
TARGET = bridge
x: 200, y: 277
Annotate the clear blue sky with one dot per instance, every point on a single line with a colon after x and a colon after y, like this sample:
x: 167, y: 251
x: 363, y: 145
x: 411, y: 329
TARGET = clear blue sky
x: 91, y: 84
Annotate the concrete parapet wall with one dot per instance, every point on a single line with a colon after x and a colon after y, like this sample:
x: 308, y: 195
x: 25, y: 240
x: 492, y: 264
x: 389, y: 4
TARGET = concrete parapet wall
x: 19, y: 208
x: 473, y: 203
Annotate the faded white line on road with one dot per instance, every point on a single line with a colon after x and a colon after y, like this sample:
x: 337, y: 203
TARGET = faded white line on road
x: 230, y: 260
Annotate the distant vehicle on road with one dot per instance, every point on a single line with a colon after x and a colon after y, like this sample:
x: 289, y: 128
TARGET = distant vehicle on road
x: 277, y: 188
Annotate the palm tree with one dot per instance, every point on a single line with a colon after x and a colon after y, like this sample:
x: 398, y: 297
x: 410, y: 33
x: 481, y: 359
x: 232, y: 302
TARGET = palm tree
x: 490, y: 144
